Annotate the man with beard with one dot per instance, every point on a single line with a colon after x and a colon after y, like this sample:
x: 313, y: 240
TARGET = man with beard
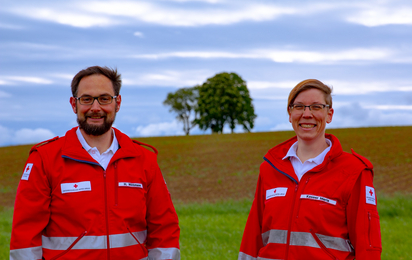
x: 94, y: 193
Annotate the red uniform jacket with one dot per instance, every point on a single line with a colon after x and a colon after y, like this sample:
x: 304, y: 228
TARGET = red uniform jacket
x: 68, y: 207
x: 330, y: 214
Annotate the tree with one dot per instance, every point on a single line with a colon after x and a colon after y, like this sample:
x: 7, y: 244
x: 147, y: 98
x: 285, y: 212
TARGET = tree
x: 183, y: 102
x: 224, y: 98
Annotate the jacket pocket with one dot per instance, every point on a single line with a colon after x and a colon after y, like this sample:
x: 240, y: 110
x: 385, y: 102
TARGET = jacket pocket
x: 322, y: 245
x: 374, y: 231
x: 145, y: 252
x: 70, y: 247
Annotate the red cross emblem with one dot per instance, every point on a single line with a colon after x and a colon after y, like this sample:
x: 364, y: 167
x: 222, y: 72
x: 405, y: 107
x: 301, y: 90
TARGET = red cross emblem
x: 371, y: 192
x: 75, y: 186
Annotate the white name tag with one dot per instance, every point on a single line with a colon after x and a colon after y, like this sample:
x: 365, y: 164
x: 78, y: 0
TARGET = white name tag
x: 76, y: 187
x: 319, y: 198
x: 131, y: 185
x: 370, y: 195
x: 27, y: 171
x: 276, y: 192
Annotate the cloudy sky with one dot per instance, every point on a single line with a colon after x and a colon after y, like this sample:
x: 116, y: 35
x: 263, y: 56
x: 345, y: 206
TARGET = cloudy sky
x: 362, y: 48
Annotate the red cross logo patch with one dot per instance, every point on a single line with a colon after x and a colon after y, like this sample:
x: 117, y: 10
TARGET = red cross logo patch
x: 370, y: 195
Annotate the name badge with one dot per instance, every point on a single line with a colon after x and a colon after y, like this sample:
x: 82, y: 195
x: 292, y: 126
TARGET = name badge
x: 319, y: 198
x: 276, y: 192
x: 75, y: 187
x: 131, y: 185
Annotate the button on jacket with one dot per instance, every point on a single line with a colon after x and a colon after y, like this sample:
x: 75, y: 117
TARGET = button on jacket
x: 329, y: 214
x: 68, y: 207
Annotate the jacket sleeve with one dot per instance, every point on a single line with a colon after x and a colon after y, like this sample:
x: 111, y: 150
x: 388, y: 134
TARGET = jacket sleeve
x: 31, y: 211
x: 252, y: 235
x: 363, y: 219
x: 162, y: 223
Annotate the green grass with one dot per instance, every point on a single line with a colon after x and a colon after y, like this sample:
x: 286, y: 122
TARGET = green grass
x: 6, y: 216
x: 214, y: 231
x: 396, y: 224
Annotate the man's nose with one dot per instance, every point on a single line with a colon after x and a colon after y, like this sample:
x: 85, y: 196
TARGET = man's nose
x: 95, y: 105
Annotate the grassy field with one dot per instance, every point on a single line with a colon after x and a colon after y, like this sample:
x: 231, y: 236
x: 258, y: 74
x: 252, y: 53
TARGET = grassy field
x: 212, y: 179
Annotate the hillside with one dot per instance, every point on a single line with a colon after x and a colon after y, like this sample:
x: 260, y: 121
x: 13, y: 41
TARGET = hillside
x: 220, y: 167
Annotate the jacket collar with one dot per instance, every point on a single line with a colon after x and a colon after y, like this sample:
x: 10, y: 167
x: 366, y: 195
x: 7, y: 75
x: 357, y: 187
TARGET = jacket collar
x: 277, y: 153
x: 72, y: 147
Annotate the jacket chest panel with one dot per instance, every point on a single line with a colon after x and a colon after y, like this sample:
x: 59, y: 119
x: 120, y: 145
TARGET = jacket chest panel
x: 87, y: 190
x: 314, y: 202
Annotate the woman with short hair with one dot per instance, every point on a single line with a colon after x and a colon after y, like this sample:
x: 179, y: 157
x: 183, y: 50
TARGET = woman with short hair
x: 313, y: 200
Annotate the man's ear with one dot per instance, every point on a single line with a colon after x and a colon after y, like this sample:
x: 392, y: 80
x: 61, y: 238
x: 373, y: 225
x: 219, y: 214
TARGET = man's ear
x: 119, y: 102
x: 73, y: 102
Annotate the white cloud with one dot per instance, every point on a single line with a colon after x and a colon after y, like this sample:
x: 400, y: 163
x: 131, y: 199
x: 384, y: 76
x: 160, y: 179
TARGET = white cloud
x: 271, y: 84
x: 16, y: 80
x: 207, y: 12
x: 23, y: 136
x: 139, y: 34
x: 282, y: 127
x: 107, y: 13
x: 375, y: 14
x: 390, y: 107
x: 340, y: 87
x: 286, y: 56
x: 356, y: 115
x: 169, y: 78
x: 159, y: 129
x: 73, y: 18
x: 346, y: 87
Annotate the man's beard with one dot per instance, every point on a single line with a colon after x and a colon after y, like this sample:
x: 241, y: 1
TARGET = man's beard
x: 95, y: 130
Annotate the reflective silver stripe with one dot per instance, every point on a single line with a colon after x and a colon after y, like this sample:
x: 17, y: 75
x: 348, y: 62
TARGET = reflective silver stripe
x: 122, y: 240
x: 274, y: 236
x: 94, y: 242
x: 164, y: 253
x: 305, y: 239
x: 336, y: 243
x: 243, y: 256
x: 26, y: 253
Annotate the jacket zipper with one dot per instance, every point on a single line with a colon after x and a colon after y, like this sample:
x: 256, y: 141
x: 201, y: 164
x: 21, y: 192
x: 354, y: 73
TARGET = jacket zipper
x: 107, y: 215
x: 70, y: 247
x: 105, y: 199
x: 116, y: 185
x: 298, y: 208
x: 369, y: 229
x: 322, y: 245
x: 290, y: 222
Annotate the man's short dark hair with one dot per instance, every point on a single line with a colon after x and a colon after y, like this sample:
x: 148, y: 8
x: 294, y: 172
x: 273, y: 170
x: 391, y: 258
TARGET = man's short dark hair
x: 111, y: 74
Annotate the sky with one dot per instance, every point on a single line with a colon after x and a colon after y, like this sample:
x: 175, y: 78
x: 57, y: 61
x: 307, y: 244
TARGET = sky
x: 362, y: 48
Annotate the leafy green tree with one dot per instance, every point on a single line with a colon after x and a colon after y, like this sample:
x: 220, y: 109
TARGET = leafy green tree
x: 224, y: 98
x: 183, y: 103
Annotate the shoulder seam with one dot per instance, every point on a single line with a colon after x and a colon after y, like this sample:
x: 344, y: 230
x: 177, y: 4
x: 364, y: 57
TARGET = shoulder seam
x: 43, y: 143
x: 147, y: 145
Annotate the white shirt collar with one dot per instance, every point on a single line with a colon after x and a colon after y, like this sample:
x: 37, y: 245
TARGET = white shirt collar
x: 318, y: 159
x: 113, y: 147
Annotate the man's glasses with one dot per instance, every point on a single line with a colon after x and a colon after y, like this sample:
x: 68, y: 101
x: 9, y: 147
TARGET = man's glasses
x: 313, y: 107
x: 89, y: 100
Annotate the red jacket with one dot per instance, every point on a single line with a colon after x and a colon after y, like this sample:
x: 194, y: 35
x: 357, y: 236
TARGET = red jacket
x: 330, y: 214
x: 68, y: 207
